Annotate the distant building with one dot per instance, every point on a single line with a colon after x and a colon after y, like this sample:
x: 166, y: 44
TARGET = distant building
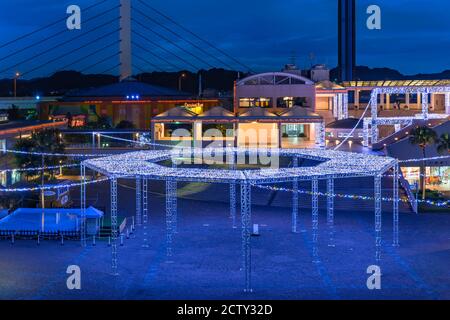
x: 437, y: 171
x: 128, y: 100
x: 342, y: 129
x: 319, y: 73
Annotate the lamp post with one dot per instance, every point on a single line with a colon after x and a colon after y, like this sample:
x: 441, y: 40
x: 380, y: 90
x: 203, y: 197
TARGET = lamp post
x: 16, y: 76
x: 180, y: 78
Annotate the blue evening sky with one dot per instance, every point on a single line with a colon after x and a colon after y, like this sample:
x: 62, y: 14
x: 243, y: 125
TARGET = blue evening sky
x: 263, y: 34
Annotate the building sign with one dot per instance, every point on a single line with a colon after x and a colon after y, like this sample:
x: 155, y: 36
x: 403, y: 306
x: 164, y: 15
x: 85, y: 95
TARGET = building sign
x: 194, y: 107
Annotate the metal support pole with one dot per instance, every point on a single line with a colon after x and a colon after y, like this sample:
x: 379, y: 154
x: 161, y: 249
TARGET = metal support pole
x: 425, y: 105
x: 374, y: 113
x: 233, y: 208
x: 83, y: 206
x: 295, y: 199
x: 138, y: 200
x: 395, y: 213
x: 246, y: 213
x: 145, y: 211
x: 330, y: 210
x: 377, y: 191
x: 233, y: 204
x: 447, y: 103
x: 315, y: 219
x: 345, y: 106
x: 114, y: 226
x: 366, y: 134
x: 170, y: 208
x: 175, y: 203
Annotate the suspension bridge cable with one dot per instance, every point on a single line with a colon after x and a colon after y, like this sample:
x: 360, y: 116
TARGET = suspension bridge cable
x: 155, y: 55
x: 57, y: 46
x: 109, y: 69
x: 166, y: 50
x: 196, y: 35
x: 173, y: 43
x: 148, y: 62
x: 90, y: 55
x: 101, y: 61
x: 184, y: 39
x: 75, y: 50
x: 53, y: 36
x: 48, y: 25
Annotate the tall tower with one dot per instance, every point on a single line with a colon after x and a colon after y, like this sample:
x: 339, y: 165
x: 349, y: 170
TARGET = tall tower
x: 347, y: 39
x: 125, y: 39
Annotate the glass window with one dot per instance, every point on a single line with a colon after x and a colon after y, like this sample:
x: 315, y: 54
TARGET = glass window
x: 255, y: 102
x: 289, y: 102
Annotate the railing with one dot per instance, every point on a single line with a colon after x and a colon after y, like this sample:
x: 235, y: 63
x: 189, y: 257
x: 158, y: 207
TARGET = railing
x: 411, y: 198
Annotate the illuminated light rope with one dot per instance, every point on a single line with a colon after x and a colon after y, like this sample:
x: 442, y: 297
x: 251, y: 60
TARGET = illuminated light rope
x: 41, y: 168
x: 55, y: 187
x: 356, y: 126
x: 32, y: 153
x: 181, y: 147
x: 424, y: 159
x: 350, y: 196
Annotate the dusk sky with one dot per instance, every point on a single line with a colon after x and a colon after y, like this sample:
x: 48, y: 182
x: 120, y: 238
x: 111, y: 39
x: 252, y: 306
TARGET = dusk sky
x: 263, y: 34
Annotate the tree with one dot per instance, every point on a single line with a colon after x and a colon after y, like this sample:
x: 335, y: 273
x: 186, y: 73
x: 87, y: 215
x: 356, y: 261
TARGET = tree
x: 14, y: 113
x: 45, y: 141
x: 444, y: 143
x: 423, y: 137
x: 103, y: 123
x: 26, y: 160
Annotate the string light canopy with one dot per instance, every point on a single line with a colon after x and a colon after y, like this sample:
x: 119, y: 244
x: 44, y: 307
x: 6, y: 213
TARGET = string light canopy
x: 333, y: 164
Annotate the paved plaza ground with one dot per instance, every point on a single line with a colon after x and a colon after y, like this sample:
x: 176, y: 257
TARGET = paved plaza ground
x: 207, y: 254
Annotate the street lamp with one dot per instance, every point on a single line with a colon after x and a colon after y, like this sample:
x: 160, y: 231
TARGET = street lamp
x: 16, y: 76
x: 180, y: 78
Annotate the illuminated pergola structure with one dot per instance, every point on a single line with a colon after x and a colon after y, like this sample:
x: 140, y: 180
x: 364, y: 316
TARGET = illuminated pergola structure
x: 424, y: 91
x: 397, y: 122
x: 144, y: 166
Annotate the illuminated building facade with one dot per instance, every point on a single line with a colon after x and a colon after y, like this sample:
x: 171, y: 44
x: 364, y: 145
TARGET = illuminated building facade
x: 128, y: 100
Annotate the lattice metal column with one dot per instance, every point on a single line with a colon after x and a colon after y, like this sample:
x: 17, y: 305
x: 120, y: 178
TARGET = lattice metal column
x: 145, y: 211
x: 171, y: 190
x: 340, y: 106
x: 320, y: 135
x: 425, y: 105
x: 83, y: 206
x: 374, y: 113
x: 366, y: 133
x: 330, y: 210
x: 295, y: 199
x: 114, y: 226
x: 233, y: 208
x: 345, y: 106
x: 447, y: 103
x: 395, y: 213
x: 175, y: 203
x: 377, y: 192
x: 315, y: 219
x: 138, y: 201
x: 335, y: 106
x: 246, y: 216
